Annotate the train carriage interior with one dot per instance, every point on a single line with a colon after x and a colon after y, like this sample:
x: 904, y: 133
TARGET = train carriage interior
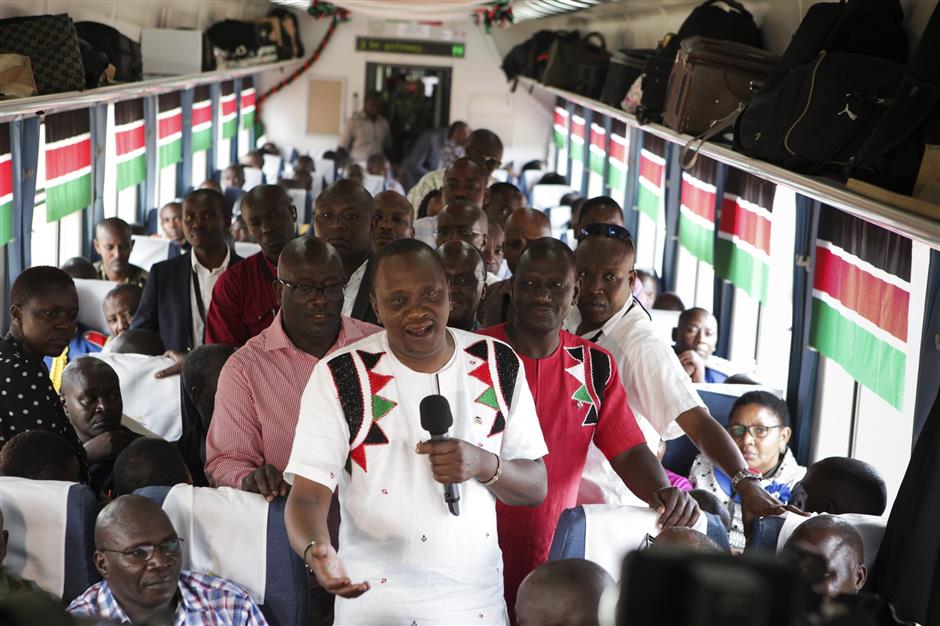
x: 647, y: 290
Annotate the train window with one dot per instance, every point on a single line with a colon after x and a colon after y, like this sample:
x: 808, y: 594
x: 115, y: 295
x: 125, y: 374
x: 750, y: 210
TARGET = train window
x: 223, y: 154
x: 577, y: 151
x: 596, y: 159
x: 166, y: 184
x: 122, y: 203
x: 200, y: 167
x: 44, y: 234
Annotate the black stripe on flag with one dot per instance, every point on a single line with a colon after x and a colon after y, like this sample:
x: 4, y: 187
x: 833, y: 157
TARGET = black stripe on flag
x: 872, y: 244
x: 67, y: 124
x: 128, y: 111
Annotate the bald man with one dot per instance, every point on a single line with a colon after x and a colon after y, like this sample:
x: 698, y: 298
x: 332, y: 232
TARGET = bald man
x: 466, y: 278
x: 91, y: 396
x: 465, y: 180
x: 139, y: 556
x: 243, y: 299
x: 342, y: 216
x: 839, y: 485
x: 258, y: 395
x: 393, y: 219
x: 839, y: 545
x: 678, y: 538
x: 562, y: 592
x: 522, y: 226
x: 462, y: 220
x: 113, y: 243
x: 483, y: 147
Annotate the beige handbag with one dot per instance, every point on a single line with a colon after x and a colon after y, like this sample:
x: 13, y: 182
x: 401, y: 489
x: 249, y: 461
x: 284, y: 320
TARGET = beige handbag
x: 16, y: 77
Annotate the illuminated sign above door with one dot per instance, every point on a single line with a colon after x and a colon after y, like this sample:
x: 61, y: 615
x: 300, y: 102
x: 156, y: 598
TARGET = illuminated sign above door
x: 411, y: 46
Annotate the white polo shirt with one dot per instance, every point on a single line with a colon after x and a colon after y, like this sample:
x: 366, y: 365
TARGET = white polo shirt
x: 358, y: 427
x: 351, y: 290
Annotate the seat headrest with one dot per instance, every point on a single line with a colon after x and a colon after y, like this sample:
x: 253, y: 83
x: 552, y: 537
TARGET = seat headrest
x: 152, y: 402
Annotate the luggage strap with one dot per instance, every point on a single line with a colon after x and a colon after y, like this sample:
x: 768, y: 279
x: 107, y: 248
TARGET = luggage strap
x: 715, y: 128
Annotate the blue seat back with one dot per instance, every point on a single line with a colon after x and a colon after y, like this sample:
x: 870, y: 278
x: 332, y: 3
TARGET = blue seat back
x: 764, y: 534
x: 287, y: 585
x: 680, y: 452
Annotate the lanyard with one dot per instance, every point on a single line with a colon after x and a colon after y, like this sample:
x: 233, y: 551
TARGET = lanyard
x: 196, y: 290
x: 598, y: 334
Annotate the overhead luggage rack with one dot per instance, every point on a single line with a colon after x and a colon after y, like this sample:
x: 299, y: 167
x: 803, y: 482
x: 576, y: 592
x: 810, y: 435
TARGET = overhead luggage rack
x: 824, y: 190
x: 12, y: 110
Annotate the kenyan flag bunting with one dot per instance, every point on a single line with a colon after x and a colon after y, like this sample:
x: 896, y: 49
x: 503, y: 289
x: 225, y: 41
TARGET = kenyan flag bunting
x: 68, y: 163
x: 742, y: 253
x: 6, y: 186
x: 652, y: 180
x: 202, y: 119
x: 577, y: 139
x: 169, y: 129
x: 130, y: 143
x: 228, y: 110
x: 598, y: 155
x: 561, y: 127
x: 617, y: 174
x: 248, y: 102
x: 861, y: 293
x: 697, y: 209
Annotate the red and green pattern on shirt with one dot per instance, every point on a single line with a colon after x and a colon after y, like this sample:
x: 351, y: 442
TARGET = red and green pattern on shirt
x: 579, y: 399
x: 861, y: 300
x: 742, y: 251
x: 68, y: 163
x: 6, y: 185
x: 130, y: 142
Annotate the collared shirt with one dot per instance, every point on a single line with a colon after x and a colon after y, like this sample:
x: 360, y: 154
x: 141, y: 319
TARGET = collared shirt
x: 358, y: 427
x: 428, y: 183
x: 351, y: 290
x: 579, y: 400
x: 258, y: 399
x: 243, y: 302
x: 135, y: 275
x: 202, y: 600
x: 364, y: 137
x: 207, y: 280
x: 12, y: 584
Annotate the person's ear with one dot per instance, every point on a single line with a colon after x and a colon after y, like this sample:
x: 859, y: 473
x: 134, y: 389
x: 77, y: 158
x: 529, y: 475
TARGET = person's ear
x: 577, y: 290
x: 486, y: 193
x: 861, y: 577
x: 293, y: 213
x: 785, y: 434
x: 486, y: 240
x: 16, y: 314
x: 675, y: 334
x: 375, y: 308
x: 632, y: 276
x: 97, y: 246
x: 278, y: 292
x: 101, y: 563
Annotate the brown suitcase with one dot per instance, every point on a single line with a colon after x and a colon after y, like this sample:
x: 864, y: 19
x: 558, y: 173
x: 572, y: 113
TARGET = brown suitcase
x: 709, y: 79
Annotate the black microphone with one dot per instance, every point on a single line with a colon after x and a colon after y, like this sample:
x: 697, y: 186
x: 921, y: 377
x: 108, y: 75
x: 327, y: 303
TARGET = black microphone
x: 437, y: 420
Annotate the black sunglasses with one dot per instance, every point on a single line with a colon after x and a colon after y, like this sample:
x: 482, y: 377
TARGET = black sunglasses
x: 607, y: 230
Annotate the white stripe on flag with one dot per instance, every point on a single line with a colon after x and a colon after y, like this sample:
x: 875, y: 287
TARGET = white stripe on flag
x: 55, y: 145
x: 65, y: 178
x: 865, y: 323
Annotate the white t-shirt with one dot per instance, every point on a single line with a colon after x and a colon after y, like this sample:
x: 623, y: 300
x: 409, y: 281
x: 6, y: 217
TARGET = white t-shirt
x: 358, y: 427
x: 351, y: 290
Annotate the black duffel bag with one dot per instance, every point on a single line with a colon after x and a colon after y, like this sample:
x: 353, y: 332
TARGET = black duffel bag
x: 122, y: 52
x: 625, y: 67
x: 820, y: 113
x: 236, y: 38
x: 579, y: 66
x: 51, y: 43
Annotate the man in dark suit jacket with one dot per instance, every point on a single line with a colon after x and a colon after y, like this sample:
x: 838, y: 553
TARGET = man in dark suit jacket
x: 177, y: 295
x: 434, y: 149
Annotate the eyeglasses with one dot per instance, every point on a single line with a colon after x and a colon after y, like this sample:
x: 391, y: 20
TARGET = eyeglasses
x: 309, y: 292
x: 491, y: 162
x: 607, y: 230
x: 464, y: 232
x: 759, y: 432
x: 144, y: 552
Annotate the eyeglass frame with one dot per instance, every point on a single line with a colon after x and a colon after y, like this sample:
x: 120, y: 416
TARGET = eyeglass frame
x: 322, y: 290
x: 458, y: 229
x: 152, y: 548
x: 614, y: 231
x: 747, y: 430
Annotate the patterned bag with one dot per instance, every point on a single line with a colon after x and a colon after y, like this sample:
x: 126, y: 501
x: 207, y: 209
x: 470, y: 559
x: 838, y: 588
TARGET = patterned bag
x: 51, y: 43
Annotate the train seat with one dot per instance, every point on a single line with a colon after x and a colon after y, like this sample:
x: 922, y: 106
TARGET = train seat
x: 528, y: 180
x: 605, y: 533
x: 245, y: 249
x: 150, y: 250
x: 263, y: 563
x: 52, y: 534
x: 548, y: 196
x: 91, y: 294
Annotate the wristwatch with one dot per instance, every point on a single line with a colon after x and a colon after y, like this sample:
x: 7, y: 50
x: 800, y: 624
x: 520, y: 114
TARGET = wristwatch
x: 745, y: 474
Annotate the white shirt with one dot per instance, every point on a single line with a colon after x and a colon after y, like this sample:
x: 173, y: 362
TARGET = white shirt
x: 207, y: 280
x: 351, y: 290
x: 424, y: 565
x: 657, y: 387
x: 426, y: 230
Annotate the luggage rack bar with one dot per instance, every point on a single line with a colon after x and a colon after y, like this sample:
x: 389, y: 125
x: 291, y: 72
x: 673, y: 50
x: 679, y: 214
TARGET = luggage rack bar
x: 923, y: 229
x: 21, y: 108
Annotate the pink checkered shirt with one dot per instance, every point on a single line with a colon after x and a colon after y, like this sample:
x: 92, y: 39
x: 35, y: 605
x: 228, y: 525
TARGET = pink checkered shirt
x: 258, y: 400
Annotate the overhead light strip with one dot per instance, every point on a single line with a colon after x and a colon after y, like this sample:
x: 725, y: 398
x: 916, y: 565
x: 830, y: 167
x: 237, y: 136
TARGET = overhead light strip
x: 538, y: 9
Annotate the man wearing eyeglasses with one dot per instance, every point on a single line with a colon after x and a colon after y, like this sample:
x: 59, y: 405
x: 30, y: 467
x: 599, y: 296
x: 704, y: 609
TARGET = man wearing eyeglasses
x: 466, y: 278
x: 258, y: 398
x: 657, y: 386
x: 464, y: 180
x: 139, y: 556
x: 483, y: 147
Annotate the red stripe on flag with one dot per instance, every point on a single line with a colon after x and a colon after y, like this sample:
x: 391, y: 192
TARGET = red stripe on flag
x: 577, y: 128
x: 598, y: 140
x: 248, y: 99
x: 652, y: 172
x: 745, y: 225
x: 202, y: 114
x: 618, y: 150
x: 880, y: 302
x: 228, y: 107
x: 129, y: 140
x: 701, y: 202
x: 560, y: 117
x: 61, y: 161
x: 6, y: 177
x: 170, y: 125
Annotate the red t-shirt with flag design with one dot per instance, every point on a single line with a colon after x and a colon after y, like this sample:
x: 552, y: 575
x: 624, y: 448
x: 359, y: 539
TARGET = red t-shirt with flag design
x: 578, y: 398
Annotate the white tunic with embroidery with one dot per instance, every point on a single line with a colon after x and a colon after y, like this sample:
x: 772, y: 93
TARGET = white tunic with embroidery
x: 358, y: 427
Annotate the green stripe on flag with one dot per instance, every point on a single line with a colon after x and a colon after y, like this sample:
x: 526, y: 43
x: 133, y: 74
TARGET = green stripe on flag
x: 697, y: 239
x: 6, y: 222
x: 617, y: 177
x: 131, y: 172
x: 248, y: 119
x: 559, y: 139
x: 66, y: 198
x: 577, y: 152
x: 171, y: 153
x: 647, y: 202
x: 202, y: 139
x: 229, y: 128
x: 743, y: 269
x: 596, y: 162
x: 869, y: 360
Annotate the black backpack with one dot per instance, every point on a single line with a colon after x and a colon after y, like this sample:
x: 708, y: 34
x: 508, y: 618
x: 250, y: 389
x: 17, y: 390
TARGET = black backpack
x: 122, y: 52
x: 530, y: 57
x: 236, y: 38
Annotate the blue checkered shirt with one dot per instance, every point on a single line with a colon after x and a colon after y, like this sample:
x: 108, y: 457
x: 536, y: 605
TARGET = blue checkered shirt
x: 202, y: 600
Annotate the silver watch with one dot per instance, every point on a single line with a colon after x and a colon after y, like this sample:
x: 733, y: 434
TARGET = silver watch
x: 745, y: 474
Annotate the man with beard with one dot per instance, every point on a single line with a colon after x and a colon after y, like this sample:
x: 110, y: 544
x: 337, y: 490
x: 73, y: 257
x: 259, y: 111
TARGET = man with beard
x: 393, y: 219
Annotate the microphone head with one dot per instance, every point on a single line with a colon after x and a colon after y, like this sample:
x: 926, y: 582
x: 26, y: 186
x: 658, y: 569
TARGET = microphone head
x: 435, y: 415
